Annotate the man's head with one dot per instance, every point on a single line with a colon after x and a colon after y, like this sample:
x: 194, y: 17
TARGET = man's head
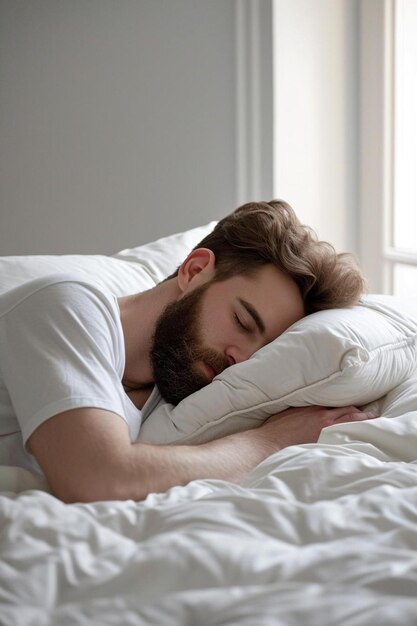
x: 215, y: 324
x: 244, y: 284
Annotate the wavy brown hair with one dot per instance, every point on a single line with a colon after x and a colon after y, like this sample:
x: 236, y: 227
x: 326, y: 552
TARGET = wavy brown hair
x: 270, y: 232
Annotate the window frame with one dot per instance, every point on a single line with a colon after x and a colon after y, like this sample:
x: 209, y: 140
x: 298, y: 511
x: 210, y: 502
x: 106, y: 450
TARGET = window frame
x: 377, y: 252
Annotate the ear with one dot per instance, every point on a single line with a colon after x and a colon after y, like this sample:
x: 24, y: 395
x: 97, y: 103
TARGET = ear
x: 197, y: 269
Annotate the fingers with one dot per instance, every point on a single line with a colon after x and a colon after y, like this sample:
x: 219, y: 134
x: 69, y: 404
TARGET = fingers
x: 355, y: 417
x: 324, y: 416
x: 346, y: 414
x: 342, y: 411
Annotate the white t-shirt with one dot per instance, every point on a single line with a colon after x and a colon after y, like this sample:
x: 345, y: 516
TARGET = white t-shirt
x: 61, y: 347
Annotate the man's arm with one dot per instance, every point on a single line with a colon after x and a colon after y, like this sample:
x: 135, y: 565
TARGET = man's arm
x: 86, y: 454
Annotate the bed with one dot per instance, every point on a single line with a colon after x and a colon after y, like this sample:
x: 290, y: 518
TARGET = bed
x: 321, y: 533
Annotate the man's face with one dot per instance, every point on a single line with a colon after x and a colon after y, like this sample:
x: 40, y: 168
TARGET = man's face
x: 217, y: 324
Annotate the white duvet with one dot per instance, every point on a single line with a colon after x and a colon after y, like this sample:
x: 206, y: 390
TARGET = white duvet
x: 321, y: 534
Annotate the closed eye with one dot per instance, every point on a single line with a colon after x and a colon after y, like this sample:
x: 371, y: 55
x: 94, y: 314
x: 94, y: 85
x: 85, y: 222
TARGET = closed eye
x: 254, y: 315
x: 241, y: 325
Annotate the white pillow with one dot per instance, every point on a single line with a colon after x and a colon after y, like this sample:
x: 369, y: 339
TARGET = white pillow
x: 120, y: 277
x: 127, y: 272
x: 161, y: 258
x: 385, y: 438
x: 331, y: 358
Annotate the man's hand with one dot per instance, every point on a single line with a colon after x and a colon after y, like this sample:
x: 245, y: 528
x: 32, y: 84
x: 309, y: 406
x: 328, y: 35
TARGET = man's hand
x: 86, y: 454
x: 290, y: 427
x: 304, y: 424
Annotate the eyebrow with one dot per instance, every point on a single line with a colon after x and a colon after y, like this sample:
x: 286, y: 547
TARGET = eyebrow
x: 254, y: 314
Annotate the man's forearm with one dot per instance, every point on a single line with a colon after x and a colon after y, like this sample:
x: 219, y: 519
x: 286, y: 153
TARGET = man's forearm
x: 232, y: 457
x: 86, y: 454
x: 156, y: 468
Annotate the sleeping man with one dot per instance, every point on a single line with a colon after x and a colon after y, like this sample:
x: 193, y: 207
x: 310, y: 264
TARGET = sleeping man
x: 78, y: 364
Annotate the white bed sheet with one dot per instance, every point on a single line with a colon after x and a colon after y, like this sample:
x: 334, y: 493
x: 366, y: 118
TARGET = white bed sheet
x: 321, y: 534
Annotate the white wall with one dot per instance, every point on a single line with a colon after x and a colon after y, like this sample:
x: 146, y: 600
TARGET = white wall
x: 122, y: 121
x: 316, y: 88
x: 117, y: 121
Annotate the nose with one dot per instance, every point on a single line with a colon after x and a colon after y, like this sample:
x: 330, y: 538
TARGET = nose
x: 236, y: 354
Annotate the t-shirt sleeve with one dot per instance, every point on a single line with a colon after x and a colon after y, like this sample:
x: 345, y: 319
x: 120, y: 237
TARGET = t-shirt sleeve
x: 62, y: 348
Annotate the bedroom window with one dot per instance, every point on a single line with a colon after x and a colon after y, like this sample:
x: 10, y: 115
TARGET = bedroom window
x: 402, y: 252
x: 388, y: 145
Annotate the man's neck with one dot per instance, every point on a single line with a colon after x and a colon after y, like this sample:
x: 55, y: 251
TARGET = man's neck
x: 139, y: 314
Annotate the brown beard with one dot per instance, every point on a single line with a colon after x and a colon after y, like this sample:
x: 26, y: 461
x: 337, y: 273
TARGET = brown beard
x: 177, y: 347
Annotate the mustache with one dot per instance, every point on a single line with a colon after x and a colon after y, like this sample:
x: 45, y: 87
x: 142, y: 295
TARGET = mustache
x: 174, y: 372
x: 218, y: 362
